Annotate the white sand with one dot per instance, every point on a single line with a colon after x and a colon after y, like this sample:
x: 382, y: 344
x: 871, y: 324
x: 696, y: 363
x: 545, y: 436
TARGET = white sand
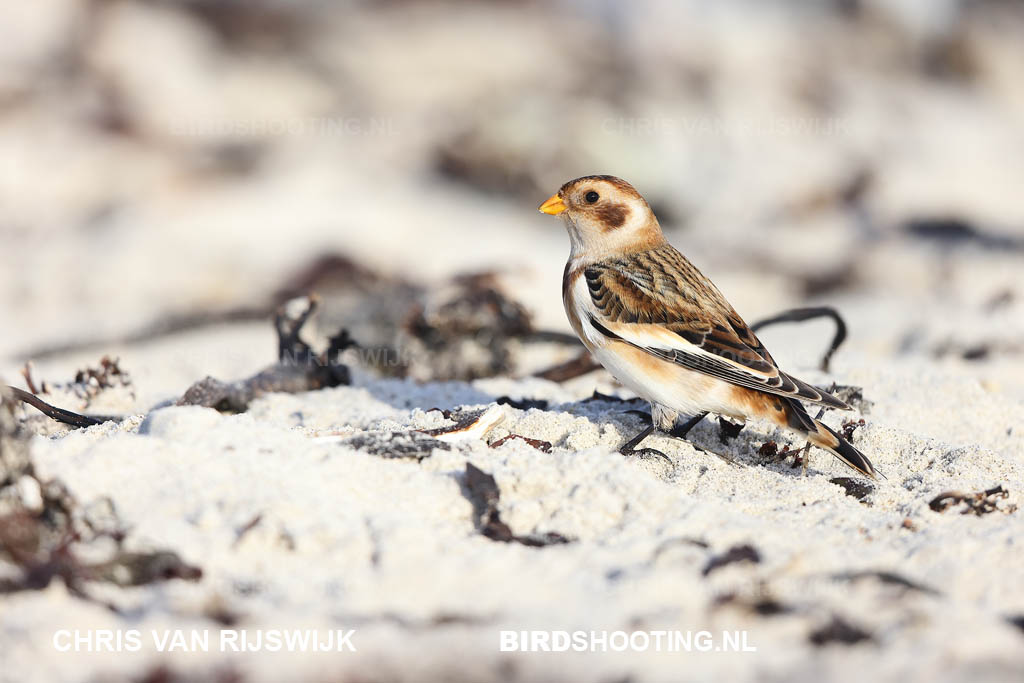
x: 350, y: 540
x: 104, y: 233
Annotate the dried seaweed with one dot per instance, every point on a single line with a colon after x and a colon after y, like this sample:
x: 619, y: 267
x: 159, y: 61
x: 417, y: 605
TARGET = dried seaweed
x: 770, y: 451
x: 59, y: 414
x: 1000, y: 300
x: 855, y: 488
x: 676, y: 541
x: 139, y: 569
x: 838, y: 630
x: 246, y: 528
x: 483, y: 493
x: 802, y: 314
x: 570, y: 369
x: 15, y: 461
x: 763, y: 605
x: 478, y: 160
x: 522, y: 404
x: 737, y: 553
x: 849, y: 427
x: 42, y: 531
x: 888, y: 578
x: 299, y: 367
x: 91, y: 381
x: 980, y: 503
x: 977, y: 351
x: 328, y: 271
x: 26, y: 372
x: 410, y: 445
x: 465, y: 331
x: 544, y: 446
x: 951, y: 232
x: 853, y: 396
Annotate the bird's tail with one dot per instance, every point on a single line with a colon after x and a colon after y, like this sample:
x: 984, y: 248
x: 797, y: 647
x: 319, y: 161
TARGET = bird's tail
x: 828, y: 439
x: 822, y: 436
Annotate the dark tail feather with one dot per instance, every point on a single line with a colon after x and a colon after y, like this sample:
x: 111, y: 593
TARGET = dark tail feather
x: 844, y: 450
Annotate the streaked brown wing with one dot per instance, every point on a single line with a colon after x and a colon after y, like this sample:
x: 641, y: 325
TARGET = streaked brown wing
x: 660, y: 303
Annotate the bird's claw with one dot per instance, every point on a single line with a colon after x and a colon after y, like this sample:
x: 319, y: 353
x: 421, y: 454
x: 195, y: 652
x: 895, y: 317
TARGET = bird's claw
x: 644, y: 453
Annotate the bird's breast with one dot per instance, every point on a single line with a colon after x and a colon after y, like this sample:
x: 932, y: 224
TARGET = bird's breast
x: 578, y: 306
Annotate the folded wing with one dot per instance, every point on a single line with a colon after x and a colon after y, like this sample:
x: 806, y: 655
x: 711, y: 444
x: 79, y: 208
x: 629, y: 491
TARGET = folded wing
x: 650, y: 301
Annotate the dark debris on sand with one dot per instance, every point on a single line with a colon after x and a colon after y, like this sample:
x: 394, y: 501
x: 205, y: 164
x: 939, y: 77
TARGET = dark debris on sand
x: 853, y: 396
x: 465, y: 331
x: 737, y: 553
x: 483, y: 492
x: 849, y: 427
x: 543, y: 446
x: 888, y: 578
x: 762, y: 605
x: 523, y: 403
x: 855, y: 488
x: 401, y: 445
x: 838, y: 630
x: 980, y: 503
x: 299, y: 367
x: 44, y: 534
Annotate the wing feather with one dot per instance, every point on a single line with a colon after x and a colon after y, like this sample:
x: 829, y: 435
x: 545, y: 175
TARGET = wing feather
x: 658, y: 302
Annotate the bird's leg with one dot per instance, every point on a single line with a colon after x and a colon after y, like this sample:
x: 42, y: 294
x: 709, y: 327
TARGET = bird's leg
x: 804, y: 454
x: 629, y: 447
x: 680, y: 431
x: 804, y: 457
x: 727, y: 430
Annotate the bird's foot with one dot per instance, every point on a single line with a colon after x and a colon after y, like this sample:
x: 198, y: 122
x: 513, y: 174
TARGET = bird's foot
x: 644, y: 454
x: 629, y: 449
x: 680, y: 432
x: 728, y: 430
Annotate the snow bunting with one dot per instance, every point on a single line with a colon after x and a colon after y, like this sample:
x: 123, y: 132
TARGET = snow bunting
x: 664, y: 330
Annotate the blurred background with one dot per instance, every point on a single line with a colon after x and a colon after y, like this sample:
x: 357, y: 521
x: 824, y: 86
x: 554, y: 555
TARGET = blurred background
x: 172, y: 170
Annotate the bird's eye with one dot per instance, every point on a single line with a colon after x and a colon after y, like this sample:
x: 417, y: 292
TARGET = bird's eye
x: 592, y: 197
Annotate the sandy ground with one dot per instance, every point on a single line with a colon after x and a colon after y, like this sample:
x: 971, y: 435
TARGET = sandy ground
x: 131, y: 194
x: 345, y: 538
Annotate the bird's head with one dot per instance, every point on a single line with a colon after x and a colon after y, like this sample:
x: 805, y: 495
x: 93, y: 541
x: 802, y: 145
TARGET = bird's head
x: 605, y: 216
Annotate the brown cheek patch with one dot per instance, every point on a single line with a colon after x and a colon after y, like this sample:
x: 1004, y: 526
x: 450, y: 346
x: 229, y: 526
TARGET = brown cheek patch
x: 613, y: 215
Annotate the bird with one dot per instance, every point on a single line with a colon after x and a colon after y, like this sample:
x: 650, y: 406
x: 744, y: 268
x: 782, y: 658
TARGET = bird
x: 664, y: 331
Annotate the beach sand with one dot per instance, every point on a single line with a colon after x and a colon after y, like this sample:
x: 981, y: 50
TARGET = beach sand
x: 327, y: 510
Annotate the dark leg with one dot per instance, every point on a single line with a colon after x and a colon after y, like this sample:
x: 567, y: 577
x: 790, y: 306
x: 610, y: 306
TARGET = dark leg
x: 682, y: 430
x: 630, y: 447
x: 727, y: 431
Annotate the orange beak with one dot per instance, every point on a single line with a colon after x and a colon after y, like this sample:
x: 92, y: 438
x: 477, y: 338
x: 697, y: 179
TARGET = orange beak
x: 553, y: 206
